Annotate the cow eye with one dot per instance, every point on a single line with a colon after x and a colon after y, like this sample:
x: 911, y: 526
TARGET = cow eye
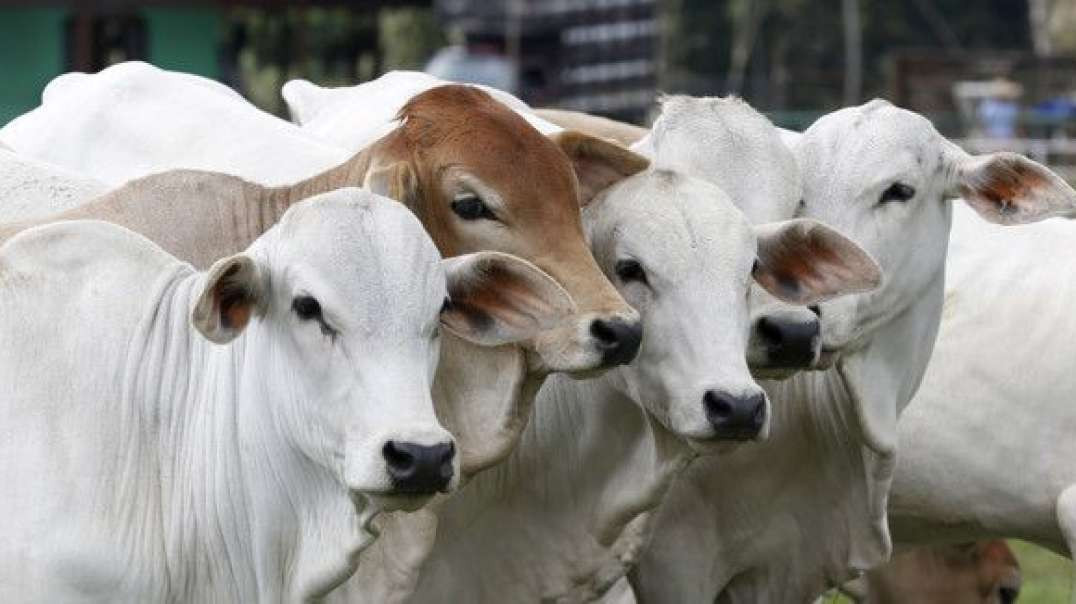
x: 307, y: 308
x: 630, y: 270
x: 897, y: 191
x: 469, y: 206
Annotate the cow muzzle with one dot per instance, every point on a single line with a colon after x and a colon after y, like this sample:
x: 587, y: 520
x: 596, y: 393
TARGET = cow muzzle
x: 737, y: 418
x: 415, y: 469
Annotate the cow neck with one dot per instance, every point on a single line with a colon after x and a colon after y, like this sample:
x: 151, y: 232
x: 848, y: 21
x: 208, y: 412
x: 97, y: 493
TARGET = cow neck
x: 550, y: 521
x: 351, y: 173
x: 238, y: 507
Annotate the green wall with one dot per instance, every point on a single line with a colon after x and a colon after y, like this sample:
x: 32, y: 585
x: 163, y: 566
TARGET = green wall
x: 184, y: 39
x: 32, y: 49
x: 31, y: 54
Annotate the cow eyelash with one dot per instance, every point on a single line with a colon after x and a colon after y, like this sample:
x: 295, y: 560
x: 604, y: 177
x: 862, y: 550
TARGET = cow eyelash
x: 469, y: 206
x: 307, y: 308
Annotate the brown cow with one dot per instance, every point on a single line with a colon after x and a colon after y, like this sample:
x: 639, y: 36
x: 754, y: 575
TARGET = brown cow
x: 983, y: 572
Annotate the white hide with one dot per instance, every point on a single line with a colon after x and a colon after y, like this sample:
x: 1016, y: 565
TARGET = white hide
x: 782, y: 520
x: 33, y: 189
x: 145, y: 463
x: 986, y: 445
x: 353, y: 117
x: 133, y: 119
x: 726, y: 142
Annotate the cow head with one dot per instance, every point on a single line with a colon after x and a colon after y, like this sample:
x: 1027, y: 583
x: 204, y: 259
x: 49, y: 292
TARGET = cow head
x: 350, y: 292
x: 726, y: 142
x: 480, y: 178
x: 681, y: 253
x: 885, y: 177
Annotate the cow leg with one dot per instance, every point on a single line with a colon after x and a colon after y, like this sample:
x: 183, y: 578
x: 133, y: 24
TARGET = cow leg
x: 1066, y: 520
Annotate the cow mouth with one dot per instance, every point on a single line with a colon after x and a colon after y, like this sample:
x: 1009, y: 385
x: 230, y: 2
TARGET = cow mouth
x: 395, y: 501
x: 827, y: 357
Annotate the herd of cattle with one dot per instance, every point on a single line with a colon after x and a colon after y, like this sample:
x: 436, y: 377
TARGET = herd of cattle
x: 428, y: 344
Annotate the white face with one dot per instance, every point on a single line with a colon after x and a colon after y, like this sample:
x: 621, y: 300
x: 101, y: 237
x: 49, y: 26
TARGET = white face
x: 879, y: 175
x: 682, y: 256
x: 352, y: 295
x: 351, y: 337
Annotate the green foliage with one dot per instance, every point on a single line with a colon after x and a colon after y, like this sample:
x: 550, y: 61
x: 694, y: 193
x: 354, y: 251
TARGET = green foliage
x: 330, y: 46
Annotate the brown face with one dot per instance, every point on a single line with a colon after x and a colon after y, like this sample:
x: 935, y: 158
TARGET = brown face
x: 480, y: 178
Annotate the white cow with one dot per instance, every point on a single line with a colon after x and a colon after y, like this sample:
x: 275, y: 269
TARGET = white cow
x: 227, y: 436
x: 127, y: 117
x: 555, y: 521
x: 782, y: 520
x: 32, y: 189
x: 986, y: 446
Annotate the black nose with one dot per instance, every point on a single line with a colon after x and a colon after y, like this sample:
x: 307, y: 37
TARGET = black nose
x: 789, y: 342
x: 618, y: 340
x: 735, y: 418
x: 418, y: 469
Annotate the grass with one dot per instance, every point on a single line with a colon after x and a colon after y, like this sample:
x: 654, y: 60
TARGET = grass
x: 1046, y: 576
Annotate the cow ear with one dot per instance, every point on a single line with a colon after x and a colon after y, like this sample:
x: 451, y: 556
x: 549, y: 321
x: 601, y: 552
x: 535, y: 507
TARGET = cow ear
x: 234, y: 290
x: 496, y: 299
x: 598, y: 163
x: 395, y: 180
x: 805, y: 262
x: 304, y: 99
x: 1008, y: 188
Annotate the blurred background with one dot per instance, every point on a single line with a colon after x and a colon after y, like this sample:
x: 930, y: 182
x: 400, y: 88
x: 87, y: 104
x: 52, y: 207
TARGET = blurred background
x: 995, y: 74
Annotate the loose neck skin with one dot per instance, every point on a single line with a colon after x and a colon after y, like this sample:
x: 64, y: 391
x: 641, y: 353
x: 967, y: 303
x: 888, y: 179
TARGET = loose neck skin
x: 238, y: 508
x: 550, y: 521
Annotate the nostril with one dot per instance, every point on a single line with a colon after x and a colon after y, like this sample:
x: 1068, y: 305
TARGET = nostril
x: 397, y: 458
x: 604, y: 332
x: 770, y: 331
x: 617, y: 340
x: 448, y: 453
x: 815, y: 309
x: 717, y: 407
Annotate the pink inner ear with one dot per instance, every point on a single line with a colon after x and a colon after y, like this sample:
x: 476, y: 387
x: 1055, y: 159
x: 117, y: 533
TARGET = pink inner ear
x: 1006, y: 186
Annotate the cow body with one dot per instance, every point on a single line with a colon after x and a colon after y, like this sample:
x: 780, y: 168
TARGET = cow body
x: 34, y: 189
x: 985, y: 447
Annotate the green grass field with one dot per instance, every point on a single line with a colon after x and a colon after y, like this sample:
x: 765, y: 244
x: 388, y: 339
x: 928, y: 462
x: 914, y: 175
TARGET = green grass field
x: 1046, y: 576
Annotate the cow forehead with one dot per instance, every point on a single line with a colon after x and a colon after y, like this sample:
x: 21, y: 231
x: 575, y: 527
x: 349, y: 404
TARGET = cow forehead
x: 462, y: 127
x: 727, y: 142
x: 679, y: 227
x: 360, y: 250
x: 867, y: 139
